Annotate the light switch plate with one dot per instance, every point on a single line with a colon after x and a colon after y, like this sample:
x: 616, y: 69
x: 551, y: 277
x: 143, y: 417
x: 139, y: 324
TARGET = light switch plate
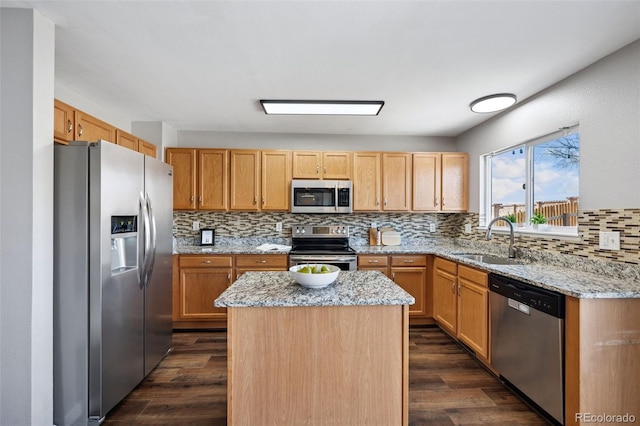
x: 196, y: 225
x: 432, y: 227
x: 278, y: 226
x: 609, y: 240
x: 467, y: 228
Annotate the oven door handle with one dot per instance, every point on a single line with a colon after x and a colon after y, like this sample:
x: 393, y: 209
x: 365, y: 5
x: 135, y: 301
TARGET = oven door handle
x: 335, y: 202
x: 320, y: 257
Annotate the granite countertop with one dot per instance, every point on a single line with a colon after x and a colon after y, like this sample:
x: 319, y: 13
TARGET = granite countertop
x: 569, y: 279
x: 352, y: 288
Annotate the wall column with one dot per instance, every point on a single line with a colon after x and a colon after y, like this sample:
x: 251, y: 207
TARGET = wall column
x: 26, y: 217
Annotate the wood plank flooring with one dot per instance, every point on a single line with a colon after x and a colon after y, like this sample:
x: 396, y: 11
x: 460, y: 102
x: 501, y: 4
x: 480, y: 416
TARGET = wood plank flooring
x: 446, y: 386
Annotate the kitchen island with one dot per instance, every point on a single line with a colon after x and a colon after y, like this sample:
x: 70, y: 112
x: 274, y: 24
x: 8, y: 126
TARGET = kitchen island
x: 337, y: 355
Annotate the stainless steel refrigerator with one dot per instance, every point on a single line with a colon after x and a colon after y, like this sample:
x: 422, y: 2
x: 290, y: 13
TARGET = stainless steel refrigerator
x: 112, y: 275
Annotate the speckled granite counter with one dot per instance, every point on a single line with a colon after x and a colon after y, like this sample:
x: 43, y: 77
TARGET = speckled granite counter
x: 223, y: 249
x: 279, y: 289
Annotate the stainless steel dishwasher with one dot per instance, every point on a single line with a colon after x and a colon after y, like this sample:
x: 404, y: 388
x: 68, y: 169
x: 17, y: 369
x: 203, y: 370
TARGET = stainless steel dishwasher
x: 527, y: 342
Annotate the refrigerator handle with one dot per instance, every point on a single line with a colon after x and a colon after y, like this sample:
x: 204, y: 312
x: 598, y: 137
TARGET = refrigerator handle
x: 147, y: 239
x: 151, y: 253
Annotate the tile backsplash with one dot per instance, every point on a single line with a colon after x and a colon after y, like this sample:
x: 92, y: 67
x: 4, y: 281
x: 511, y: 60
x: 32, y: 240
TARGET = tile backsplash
x: 247, y: 227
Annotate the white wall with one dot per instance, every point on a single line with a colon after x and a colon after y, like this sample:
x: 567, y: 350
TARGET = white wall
x: 26, y: 218
x: 202, y: 139
x: 604, y: 99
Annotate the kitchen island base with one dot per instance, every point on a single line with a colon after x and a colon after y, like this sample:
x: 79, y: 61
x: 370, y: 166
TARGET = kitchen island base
x: 318, y: 365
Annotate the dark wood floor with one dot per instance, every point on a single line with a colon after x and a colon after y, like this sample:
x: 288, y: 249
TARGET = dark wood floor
x: 446, y: 386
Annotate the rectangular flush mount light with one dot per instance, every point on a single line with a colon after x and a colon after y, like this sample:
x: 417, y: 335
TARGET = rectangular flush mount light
x: 292, y: 107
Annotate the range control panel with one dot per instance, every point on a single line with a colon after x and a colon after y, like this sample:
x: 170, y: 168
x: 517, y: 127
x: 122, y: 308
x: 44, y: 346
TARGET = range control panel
x: 319, y: 231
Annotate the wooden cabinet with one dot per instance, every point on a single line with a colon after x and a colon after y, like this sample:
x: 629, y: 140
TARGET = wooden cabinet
x: 382, y: 181
x: 461, y: 304
x: 367, y: 181
x: 63, y: 122
x: 275, y: 180
x: 126, y: 140
x: 473, y: 310
x: 90, y: 128
x: 200, y: 178
x: 374, y: 263
x: 202, y: 279
x: 260, y: 180
x: 321, y: 165
x: 147, y: 148
x: 410, y: 273
x: 257, y: 262
x: 445, y: 299
x: 440, y: 181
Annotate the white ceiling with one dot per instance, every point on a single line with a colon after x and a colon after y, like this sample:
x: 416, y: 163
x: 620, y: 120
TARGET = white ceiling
x: 203, y: 65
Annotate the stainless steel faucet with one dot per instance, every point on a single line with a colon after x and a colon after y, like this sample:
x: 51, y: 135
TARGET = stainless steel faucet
x: 512, y: 250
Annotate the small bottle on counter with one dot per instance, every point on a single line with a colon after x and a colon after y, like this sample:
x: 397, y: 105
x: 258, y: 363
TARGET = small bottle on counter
x: 378, y: 237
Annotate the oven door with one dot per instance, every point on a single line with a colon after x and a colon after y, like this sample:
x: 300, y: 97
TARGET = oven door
x: 344, y: 262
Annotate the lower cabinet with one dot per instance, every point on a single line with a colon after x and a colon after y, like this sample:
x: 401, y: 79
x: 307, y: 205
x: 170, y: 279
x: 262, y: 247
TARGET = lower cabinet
x: 410, y: 273
x: 200, y: 279
x: 461, y: 304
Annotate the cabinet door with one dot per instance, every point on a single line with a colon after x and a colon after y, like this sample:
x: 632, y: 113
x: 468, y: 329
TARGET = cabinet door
x: 413, y: 281
x: 336, y: 165
x: 473, y: 309
x: 89, y: 128
x: 366, y: 181
x: 183, y: 161
x: 426, y: 181
x: 147, y: 148
x: 213, y: 179
x: 199, y: 287
x: 374, y: 263
x: 245, y: 174
x: 276, y: 180
x: 126, y: 139
x: 306, y: 164
x: 445, y: 300
x: 63, y: 121
x: 396, y: 181
x: 455, y: 181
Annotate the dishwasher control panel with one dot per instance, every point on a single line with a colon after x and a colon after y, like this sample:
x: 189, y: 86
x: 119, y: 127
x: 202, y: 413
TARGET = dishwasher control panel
x: 538, y: 298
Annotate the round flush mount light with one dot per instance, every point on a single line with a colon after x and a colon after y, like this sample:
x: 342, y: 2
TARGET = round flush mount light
x: 493, y: 103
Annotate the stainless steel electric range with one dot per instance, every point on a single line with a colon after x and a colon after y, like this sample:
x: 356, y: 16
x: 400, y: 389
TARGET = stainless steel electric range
x: 322, y: 244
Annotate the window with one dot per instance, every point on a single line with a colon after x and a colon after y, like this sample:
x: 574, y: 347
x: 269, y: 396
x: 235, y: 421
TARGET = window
x: 537, y: 178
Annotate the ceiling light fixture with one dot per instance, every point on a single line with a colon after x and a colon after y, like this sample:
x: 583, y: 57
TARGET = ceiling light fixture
x: 493, y: 103
x: 291, y: 107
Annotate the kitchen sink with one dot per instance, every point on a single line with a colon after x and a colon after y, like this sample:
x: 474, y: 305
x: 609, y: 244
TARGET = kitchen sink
x: 489, y: 259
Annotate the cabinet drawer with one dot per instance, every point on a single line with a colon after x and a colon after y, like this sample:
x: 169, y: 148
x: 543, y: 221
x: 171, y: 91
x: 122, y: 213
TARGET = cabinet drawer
x: 477, y: 277
x: 262, y: 261
x: 373, y: 261
x: 206, y: 261
x: 446, y: 265
x: 408, y: 260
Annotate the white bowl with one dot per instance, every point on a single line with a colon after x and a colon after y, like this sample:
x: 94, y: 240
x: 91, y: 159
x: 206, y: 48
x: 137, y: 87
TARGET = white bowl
x: 311, y: 280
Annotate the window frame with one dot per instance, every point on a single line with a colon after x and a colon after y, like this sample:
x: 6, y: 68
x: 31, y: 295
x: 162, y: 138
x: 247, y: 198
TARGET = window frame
x: 486, y: 207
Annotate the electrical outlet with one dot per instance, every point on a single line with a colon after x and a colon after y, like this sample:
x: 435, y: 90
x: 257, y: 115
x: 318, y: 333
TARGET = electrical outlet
x: 432, y: 227
x: 278, y: 226
x: 196, y: 225
x: 374, y: 225
x: 467, y: 228
x: 609, y: 240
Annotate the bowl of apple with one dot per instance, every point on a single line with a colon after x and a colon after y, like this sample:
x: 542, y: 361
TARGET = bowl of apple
x: 314, y: 275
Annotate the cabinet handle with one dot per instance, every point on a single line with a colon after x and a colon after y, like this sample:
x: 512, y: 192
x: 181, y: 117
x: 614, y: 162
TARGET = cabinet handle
x: 192, y: 198
x: 377, y: 202
x: 442, y: 201
x: 325, y: 170
x: 70, y: 126
x: 206, y: 261
x: 385, y: 201
x: 255, y: 200
x: 458, y: 291
x: 409, y: 261
x: 261, y: 261
x: 435, y: 202
x: 393, y: 276
x: 373, y: 260
x: 453, y: 288
x: 229, y: 277
x: 79, y: 129
x: 263, y: 201
x: 200, y: 199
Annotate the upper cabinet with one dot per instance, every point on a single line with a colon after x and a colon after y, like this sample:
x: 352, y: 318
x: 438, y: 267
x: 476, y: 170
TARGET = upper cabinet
x: 90, y: 128
x: 382, y: 181
x: 440, y: 181
x: 200, y: 178
x: 321, y: 165
x: 147, y: 148
x: 126, y: 139
x: 260, y: 180
x: 63, y: 122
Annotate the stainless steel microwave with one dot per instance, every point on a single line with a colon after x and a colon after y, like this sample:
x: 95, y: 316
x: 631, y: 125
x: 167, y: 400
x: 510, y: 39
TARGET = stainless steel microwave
x: 321, y: 196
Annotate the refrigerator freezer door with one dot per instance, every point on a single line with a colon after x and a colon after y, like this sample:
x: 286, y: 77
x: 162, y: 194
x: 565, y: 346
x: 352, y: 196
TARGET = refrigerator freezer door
x: 158, y: 301
x: 116, y: 299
